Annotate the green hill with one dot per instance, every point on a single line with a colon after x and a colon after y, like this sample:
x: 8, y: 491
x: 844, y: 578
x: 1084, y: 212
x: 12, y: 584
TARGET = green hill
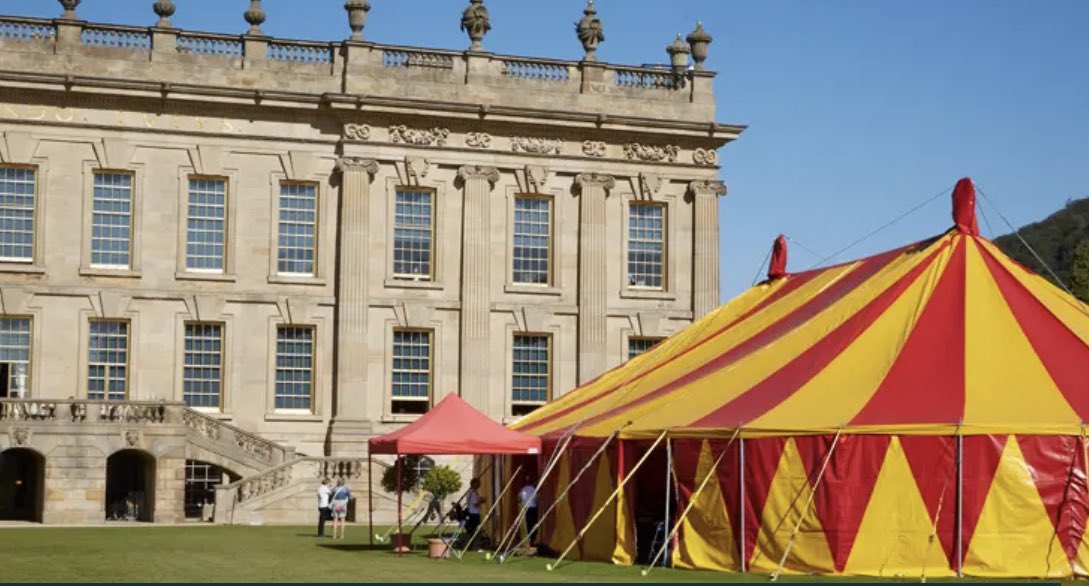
x: 1056, y: 239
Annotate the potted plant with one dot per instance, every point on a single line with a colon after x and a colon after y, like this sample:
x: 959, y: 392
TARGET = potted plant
x: 441, y: 482
x: 409, y: 483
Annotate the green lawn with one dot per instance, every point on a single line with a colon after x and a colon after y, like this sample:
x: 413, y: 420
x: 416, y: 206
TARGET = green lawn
x: 272, y: 554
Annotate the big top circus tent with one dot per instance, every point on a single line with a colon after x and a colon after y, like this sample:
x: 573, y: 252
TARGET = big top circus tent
x: 919, y: 412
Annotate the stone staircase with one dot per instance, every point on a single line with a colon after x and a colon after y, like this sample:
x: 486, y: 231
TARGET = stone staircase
x: 240, y: 452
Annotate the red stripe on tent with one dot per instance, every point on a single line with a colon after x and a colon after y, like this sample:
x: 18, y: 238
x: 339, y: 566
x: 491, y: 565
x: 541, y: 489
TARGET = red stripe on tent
x: 1062, y: 353
x: 686, y: 459
x: 982, y: 454
x: 933, y: 462
x: 787, y: 380
x: 1058, y: 469
x: 866, y: 269
x: 926, y: 382
x: 761, y: 462
x: 843, y: 493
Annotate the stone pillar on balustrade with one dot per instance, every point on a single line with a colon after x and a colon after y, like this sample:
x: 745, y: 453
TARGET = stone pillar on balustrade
x: 351, y: 428
x: 475, y: 280
x: 593, y: 188
x: 705, y: 271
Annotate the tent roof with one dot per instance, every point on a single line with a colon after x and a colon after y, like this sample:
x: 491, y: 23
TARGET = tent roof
x: 947, y: 335
x: 453, y: 427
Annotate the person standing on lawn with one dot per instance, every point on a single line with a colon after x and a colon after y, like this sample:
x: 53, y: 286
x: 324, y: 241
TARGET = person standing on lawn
x: 528, y: 498
x: 323, y: 505
x: 339, y: 504
x: 473, y: 502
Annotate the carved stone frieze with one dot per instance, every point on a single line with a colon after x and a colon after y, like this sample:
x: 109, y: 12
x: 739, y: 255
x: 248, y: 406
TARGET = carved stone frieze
x: 357, y: 132
x: 254, y: 446
x: 707, y: 157
x: 478, y: 140
x: 594, y: 148
x: 536, y: 145
x: 643, y: 152
x: 203, y: 426
x: 425, y: 137
x: 359, y: 164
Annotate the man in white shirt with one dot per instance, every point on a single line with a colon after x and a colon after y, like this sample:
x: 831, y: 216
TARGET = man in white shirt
x: 473, y: 503
x: 528, y: 498
x: 323, y: 505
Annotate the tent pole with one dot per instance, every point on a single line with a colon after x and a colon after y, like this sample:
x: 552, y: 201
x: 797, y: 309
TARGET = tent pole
x: 370, y: 497
x: 741, y: 501
x: 960, y: 506
x: 487, y: 516
x: 668, y: 493
x: 399, y: 529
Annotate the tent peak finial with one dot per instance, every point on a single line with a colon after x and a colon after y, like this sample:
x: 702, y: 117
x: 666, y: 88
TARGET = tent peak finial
x: 777, y: 266
x: 964, y: 207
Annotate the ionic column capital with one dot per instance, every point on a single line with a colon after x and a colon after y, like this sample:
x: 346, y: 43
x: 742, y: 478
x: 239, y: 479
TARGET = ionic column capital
x: 357, y: 164
x: 467, y: 172
x: 584, y: 180
x: 707, y: 187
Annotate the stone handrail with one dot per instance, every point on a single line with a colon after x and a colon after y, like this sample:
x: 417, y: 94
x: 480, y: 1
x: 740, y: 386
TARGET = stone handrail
x: 26, y: 29
x: 252, y: 444
x: 116, y: 36
x: 80, y: 411
x: 536, y: 69
x: 644, y: 78
x: 411, y: 57
x: 193, y: 43
x: 301, y: 51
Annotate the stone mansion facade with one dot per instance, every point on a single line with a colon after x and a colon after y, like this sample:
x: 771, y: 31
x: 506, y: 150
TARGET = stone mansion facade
x: 231, y: 259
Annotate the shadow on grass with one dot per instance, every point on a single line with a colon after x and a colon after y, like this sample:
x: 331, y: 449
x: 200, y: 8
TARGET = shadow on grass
x: 358, y: 547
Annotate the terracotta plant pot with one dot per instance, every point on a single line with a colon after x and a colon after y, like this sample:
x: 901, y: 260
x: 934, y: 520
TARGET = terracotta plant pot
x: 438, y: 548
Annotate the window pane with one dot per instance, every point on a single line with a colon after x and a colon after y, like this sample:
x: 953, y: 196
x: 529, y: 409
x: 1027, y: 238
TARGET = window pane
x: 298, y: 223
x: 646, y: 246
x: 411, y: 373
x: 202, y: 376
x: 532, y: 240
x: 637, y: 346
x: 17, y: 192
x: 206, y: 224
x: 111, y: 220
x: 107, y: 372
x: 15, y: 352
x: 412, y: 234
x: 294, y: 367
x: 530, y: 385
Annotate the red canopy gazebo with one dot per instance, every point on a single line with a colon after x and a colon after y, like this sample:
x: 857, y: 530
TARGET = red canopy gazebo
x: 451, y: 428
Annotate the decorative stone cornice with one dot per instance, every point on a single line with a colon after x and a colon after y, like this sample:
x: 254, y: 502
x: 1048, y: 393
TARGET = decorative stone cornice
x: 642, y: 152
x: 469, y: 172
x: 584, y: 180
x: 357, y: 132
x: 427, y: 137
x: 478, y: 140
x: 593, y: 148
x: 357, y: 164
x: 706, y: 157
x: 707, y: 187
x: 536, y: 145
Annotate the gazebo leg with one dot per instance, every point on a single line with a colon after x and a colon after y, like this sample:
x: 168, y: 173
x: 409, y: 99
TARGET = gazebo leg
x: 399, y: 528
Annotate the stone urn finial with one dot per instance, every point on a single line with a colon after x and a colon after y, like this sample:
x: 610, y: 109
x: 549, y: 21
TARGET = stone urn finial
x: 678, y: 54
x: 255, y: 16
x: 699, y: 39
x: 69, y: 9
x: 164, y: 9
x: 590, y: 31
x: 357, y: 17
x: 476, y: 22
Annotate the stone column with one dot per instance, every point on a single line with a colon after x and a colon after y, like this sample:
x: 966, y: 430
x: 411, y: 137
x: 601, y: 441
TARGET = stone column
x: 593, y: 189
x: 476, y: 253
x: 705, y: 281
x: 350, y: 427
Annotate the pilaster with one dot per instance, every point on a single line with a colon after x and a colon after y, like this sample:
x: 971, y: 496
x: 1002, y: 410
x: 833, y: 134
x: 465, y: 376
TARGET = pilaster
x: 350, y: 427
x: 592, y: 356
x: 475, y: 298
x: 705, y: 276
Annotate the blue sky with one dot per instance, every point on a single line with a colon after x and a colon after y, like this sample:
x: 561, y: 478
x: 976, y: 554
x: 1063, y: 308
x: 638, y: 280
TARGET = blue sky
x: 858, y: 109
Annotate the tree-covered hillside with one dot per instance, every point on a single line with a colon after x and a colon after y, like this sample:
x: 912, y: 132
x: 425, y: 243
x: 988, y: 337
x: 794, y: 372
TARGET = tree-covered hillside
x: 1060, y: 239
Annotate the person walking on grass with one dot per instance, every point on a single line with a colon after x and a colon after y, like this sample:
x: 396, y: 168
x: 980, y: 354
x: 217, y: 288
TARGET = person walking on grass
x: 473, y: 502
x: 324, y: 492
x: 338, y: 502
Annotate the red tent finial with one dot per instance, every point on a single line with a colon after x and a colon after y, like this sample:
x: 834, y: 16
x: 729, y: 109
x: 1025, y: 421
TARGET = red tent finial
x: 778, y: 266
x: 964, y: 207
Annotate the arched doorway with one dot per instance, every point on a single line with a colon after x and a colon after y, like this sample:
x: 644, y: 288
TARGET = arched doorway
x: 201, y: 480
x: 130, y: 486
x: 22, y: 483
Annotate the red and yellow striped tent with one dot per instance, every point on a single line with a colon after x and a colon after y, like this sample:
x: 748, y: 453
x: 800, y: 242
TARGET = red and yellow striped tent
x: 917, y: 412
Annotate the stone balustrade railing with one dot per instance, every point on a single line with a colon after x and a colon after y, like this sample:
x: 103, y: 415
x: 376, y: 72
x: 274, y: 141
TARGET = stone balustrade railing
x: 536, y: 69
x: 644, y: 78
x: 116, y: 36
x: 82, y: 411
x: 301, y: 52
x: 411, y: 58
x: 26, y: 29
x: 251, y: 444
x: 188, y: 43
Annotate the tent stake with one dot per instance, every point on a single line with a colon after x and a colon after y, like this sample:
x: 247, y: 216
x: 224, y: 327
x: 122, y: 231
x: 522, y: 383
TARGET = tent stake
x: 808, y: 504
x: 604, y: 506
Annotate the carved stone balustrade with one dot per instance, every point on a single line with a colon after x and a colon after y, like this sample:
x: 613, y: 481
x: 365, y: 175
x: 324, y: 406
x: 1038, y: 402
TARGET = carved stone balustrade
x: 89, y: 412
